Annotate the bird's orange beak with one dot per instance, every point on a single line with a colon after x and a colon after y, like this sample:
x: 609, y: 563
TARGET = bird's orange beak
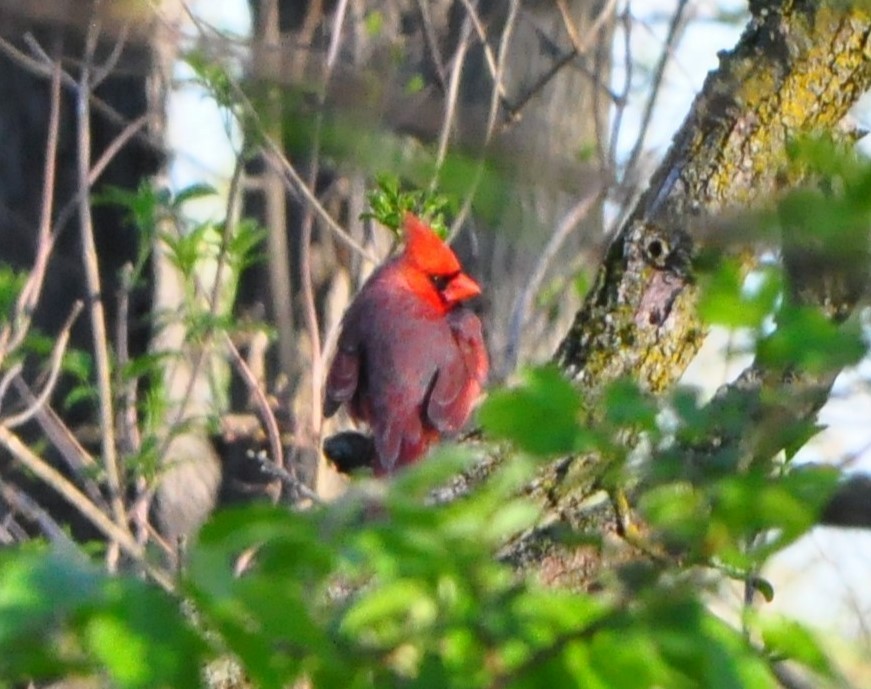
x: 461, y: 288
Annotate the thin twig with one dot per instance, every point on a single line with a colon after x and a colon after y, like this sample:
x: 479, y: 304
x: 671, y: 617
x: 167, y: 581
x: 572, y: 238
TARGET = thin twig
x: 30, y: 293
x: 583, y: 44
x: 515, y: 110
x: 310, y: 308
x: 489, y: 58
x: 335, y: 39
x: 45, y: 69
x: 523, y: 303
x: 294, y: 181
x: 267, y: 416
x: 54, y: 369
x: 289, y: 479
x: 431, y: 42
x: 497, y: 97
x: 63, y: 440
x: 296, y: 185
x: 7, y: 379
x: 69, y: 492
x: 674, y: 33
x: 128, y: 418
x: 92, y: 276
x: 123, y: 138
x: 100, y: 74
x: 459, y: 60
x: 626, y: 20
x: 26, y: 506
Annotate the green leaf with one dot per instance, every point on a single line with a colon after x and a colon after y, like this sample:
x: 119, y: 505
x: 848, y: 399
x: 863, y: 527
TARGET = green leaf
x: 192, y: 192
x: 11, y: 282
x: 386, y: 612
x: 59, y: 615
x: 415, y: 84
x: 807, y: 339
x: 540, y: 416
x: 627, y: 405
x: 730, y: 300
x: 141, y: 639
x: 763, y: 586
x: 789, y: 639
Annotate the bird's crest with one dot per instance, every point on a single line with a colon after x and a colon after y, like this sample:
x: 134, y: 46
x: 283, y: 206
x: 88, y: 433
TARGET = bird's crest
x: 426, y: 250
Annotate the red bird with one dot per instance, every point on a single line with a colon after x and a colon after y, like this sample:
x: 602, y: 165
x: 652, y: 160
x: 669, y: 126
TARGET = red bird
x: 410, y: 359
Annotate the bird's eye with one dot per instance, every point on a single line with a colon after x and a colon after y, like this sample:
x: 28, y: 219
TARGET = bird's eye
x: 440, y: 281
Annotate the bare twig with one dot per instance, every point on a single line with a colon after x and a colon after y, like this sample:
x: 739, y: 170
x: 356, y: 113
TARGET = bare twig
x: 335, y: 39
x: 459, y: 60
x: 296, y: 185
x: 622, y: 99
x: 103, y: 72
x: 294, y: 181
x: 22, y: 503
x: 497, y: 97
x: 523, y: 303
x: 128, y: 418
x: 69, y: 492
x: 7, y: 379
x: 14, y: 333
x: 489, y: 58
x: 267, y: 416
x: 514, y: 111
x: 45, y: 69
x: 54, y: 368
x: 92, y: 276
x: 431, y: 41
x: 579, y: 43
x: 674, y: 33
x: 129, y: 132
x: 288, y: 478
x: 310, y: 308
x: 62, y: 439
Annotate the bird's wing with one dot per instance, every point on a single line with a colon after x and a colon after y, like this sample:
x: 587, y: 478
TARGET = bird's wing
x: 399, y: 438
x: 466, y: 328
x: 458, y: 380
x: 342, y: 379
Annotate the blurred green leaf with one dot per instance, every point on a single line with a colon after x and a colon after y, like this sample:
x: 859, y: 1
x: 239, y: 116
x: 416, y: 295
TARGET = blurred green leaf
x: 627, y: 406
x: 540, y: 416
x: 191, y: 193
x: 11, y: 282
x: 60, y: 615
x: 727, y: 299
x: 807, y: 339
x: 788, y: 639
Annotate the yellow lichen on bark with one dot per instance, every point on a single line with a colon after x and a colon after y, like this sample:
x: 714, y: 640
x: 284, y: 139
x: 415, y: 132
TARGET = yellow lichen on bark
x: 795, y: 70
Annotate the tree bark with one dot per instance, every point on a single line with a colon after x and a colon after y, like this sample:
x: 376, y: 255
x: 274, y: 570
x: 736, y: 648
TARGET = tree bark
x: 798, y: 68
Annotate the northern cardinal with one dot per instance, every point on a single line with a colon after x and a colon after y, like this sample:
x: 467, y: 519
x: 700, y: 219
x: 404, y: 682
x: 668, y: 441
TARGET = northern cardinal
x: 410, y: 359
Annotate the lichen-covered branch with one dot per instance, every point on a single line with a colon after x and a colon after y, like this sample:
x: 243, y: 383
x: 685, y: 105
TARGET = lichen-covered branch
x: 799, y: 67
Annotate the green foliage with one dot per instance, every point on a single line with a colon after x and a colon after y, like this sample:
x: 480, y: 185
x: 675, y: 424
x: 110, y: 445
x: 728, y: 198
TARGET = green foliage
x: 397, y: 592
x: 726, y: 299
x: 213, y: 77
x: 541, y: 416
x: 389, y: 203
x: 11, y: 282
x: 61, y: 616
